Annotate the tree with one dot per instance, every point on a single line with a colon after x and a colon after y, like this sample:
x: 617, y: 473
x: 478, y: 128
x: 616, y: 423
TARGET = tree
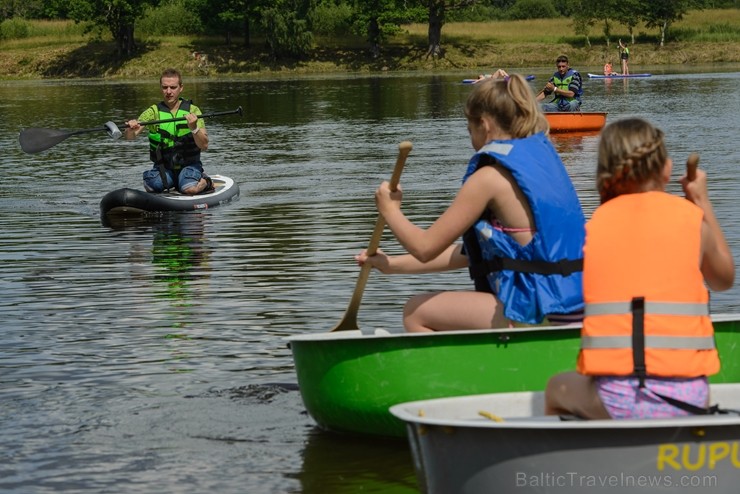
x: 229, y: 17
x: 437, y: 9
x: 662, y: 13
x: 286, y: 28
x: 436, y: 21
x: 375, y: 19
x: 533, y: 9
x: 118, y: 16
x: 584, y: 17
x: 24, y: 9
x: 627, y: 12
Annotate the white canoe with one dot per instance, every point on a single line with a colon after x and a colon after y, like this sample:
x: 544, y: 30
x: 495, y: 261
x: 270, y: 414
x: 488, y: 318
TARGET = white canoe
x: 457, y: 449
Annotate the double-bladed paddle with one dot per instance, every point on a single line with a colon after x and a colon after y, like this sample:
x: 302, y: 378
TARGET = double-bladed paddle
x: 35, y: 140
x: 349, y: 321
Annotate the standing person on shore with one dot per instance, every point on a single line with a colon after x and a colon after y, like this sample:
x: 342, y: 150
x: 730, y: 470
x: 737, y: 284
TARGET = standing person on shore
x: 519, y: 217
x: 647, y: 342
x: 624, y: 56
x: 565, y: 85
x: 174, y: 147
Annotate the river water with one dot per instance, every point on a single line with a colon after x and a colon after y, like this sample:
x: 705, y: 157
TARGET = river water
x: 150, y: 357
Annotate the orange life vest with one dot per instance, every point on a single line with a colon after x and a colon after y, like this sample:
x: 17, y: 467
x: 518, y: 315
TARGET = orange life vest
x: 641, y: 274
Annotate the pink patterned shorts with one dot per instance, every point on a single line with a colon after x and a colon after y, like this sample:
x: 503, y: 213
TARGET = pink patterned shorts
x: 623, y: 398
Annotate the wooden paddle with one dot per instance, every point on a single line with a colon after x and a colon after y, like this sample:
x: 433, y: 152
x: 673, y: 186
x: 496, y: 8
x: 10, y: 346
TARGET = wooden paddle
x: 35, y: 140
x: 691, y: 164
x: 349, y: 321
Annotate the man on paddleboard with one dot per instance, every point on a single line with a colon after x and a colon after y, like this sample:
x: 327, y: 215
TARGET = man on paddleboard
x: 174, y: 147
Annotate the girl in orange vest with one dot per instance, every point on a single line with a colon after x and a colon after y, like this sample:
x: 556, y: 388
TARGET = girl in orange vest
x: 647, y: 343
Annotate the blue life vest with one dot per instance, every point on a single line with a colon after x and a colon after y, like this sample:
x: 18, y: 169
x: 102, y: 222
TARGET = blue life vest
x: 545, y: 276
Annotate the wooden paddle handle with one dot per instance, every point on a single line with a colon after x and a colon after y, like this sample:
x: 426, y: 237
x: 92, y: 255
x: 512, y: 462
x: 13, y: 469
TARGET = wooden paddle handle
x: 404, y: 149
x: 691, y: 164
x: 349, y: 321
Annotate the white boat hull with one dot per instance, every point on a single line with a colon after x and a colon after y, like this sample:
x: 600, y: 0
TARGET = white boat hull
x: 457, y: 450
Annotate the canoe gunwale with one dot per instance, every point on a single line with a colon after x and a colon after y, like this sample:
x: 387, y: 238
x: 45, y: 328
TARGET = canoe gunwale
x: 360, y: 334
x: 404, y: 411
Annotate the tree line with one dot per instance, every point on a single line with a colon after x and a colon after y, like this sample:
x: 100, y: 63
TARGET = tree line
x: 288, y: 27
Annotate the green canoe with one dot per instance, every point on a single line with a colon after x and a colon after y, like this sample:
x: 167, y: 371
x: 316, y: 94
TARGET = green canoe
x: 349, y: 380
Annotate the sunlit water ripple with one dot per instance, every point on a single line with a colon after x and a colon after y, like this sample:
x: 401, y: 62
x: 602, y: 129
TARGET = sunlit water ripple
x: 150, y: 357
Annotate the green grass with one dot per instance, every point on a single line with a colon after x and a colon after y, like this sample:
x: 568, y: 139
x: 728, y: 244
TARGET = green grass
x: 53, y: 49
x: 721, y: 25
x: 21, y: 32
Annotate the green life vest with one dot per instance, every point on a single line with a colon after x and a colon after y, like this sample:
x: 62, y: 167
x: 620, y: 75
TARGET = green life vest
x: 172, y: 143
x: 563, y: 84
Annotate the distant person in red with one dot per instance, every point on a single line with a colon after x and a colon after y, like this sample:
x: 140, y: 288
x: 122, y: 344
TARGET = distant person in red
x: 608, y: 69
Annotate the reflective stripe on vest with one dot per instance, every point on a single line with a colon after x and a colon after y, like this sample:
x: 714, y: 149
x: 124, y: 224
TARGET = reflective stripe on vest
x: 658, y: 342
x: 662, y: 308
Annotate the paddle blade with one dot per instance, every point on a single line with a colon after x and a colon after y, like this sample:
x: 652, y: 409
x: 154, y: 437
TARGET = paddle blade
x: 36, y: 140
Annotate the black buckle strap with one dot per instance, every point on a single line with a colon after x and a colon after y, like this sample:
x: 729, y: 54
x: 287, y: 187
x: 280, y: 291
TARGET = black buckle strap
x: 562, y: 267
x: 638, y: 338
x: 695, y: 410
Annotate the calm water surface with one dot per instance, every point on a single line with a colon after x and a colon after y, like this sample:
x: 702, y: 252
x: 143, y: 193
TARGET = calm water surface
x: 150, y: 356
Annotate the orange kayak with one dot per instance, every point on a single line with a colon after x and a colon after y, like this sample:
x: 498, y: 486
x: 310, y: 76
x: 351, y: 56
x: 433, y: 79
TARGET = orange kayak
x: 575, y: 121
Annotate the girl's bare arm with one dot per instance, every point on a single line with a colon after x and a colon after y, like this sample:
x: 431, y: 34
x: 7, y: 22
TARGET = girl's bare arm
x: 451, y: 258
x: 425, y: 245
x: 717, y: 264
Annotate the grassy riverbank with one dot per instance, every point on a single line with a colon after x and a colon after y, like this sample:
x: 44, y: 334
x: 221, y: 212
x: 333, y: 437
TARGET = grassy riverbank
x: 58, y: 50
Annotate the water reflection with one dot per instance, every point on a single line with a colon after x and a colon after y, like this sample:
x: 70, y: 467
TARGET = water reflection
x: 337, y: 464
x: 616, y: 86
x: 179, y: 250
x: 571, y: 142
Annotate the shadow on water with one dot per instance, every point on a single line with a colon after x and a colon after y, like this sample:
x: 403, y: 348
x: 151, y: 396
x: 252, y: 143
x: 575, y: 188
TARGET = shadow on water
x: 337, y: 464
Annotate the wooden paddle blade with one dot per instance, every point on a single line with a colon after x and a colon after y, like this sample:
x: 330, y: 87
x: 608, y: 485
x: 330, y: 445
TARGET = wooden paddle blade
x: 36, y: 140
x: 691, y: 165
x: 349, y: 321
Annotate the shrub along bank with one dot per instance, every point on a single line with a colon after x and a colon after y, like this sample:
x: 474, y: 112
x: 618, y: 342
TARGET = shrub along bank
x: 57, y: 49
